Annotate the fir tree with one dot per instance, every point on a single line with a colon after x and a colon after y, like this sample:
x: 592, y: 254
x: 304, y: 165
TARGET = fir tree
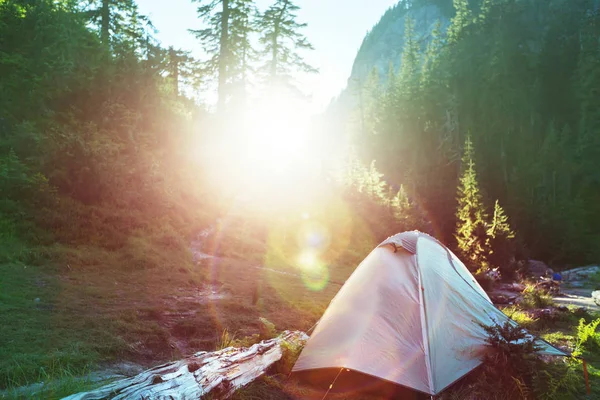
x: 117, y: 18
x: 401, y: 205
x: 408, y: 77
x: 226, y: 39
x: 244, y: 53
x: 471, y: 227
x: 461, y: 20
x: 500, y: 239
x: 281, y: 40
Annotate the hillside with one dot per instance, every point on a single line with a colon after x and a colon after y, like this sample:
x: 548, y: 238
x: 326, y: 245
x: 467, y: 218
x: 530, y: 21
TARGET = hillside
x: 138, y: 224
x: 516, y: 76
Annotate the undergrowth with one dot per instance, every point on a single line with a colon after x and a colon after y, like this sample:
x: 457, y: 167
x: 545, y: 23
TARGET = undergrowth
x: 535, y: 298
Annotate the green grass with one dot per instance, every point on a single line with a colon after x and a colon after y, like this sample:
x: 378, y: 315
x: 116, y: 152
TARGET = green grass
x: 138, y: 303
x: 34, y: 345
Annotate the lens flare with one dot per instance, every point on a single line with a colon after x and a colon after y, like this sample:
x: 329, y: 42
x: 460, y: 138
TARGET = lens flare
x: 313, y: 236
x: 315, y: 274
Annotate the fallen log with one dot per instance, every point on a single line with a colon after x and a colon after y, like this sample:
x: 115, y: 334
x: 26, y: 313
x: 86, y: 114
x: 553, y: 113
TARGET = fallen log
x: 217, y: 374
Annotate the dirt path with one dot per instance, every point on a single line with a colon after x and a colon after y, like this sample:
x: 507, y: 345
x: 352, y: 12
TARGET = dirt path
x: 578, y: 297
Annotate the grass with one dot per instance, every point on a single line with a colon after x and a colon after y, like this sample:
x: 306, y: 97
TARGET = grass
x: 141, y: 303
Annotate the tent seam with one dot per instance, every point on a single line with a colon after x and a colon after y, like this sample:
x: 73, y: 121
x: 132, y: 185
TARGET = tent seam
x: 425, y: 328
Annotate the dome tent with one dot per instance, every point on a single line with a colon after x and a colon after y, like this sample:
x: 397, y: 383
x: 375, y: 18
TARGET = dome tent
x: 410, y: 315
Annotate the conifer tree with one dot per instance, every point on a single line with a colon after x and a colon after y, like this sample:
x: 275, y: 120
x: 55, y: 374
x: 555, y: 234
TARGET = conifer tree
x: 242, y: 27
x: 226, y: 39
x: 500, y: 239
x: 282, y: 41
x: 471, y: 226
x: 462, y: 18
x: 408, y: 80
x: 401, y: 204
x: 116, y: 17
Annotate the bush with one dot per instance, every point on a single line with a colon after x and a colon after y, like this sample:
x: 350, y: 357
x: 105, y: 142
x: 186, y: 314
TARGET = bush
x: 535, y: 298
x: 587, y: 343
x: 520, y: 317
x: 512, y: 369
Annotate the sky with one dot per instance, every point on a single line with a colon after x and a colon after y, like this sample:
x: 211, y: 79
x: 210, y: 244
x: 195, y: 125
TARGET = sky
x: 336, y: 29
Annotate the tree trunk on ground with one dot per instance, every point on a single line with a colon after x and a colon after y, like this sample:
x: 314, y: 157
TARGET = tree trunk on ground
x: 218, y: 374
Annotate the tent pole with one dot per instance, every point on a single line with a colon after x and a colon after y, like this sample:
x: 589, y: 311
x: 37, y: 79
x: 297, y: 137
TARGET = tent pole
x: 332, y: 383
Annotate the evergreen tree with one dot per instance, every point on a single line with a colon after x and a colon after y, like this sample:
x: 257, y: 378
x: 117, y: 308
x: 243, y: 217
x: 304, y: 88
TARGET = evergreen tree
x: 408, y: 77
x: 226, y: 39
x: 400, y: 204
x: 116, y: 18
x: 244, y: 53
x: 471, y: 226
x: 461, y: 20
x: 500, y: 239
x: 282, y: 41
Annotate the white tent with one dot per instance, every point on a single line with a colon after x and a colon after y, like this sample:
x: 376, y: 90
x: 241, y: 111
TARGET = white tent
x: 410, y: 314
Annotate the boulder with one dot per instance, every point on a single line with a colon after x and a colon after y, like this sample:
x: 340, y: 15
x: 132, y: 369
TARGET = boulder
x: 580, y: 274
x: 538, y: 269
x: 511, y: 287
x: 596, y: 297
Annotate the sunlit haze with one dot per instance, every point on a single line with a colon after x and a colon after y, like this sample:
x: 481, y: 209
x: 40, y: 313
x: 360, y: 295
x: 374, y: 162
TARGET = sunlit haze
x: 335, y: 28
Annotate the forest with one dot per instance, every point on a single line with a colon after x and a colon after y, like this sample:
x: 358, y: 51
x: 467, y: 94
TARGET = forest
x: 117, y: 152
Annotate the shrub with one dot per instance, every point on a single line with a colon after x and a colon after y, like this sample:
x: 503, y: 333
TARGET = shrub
x: 535, y: 298
x: 588, y: 340
x: 512, y: 369
x: 226, y: 340
x: 520, y: 317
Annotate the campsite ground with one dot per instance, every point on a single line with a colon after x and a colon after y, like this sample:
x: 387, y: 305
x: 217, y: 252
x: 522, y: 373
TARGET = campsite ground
x: 67, y: 323
x: 64, y: 324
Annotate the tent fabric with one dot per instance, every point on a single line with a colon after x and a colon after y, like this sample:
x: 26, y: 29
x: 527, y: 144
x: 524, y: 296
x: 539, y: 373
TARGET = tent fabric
x: 411, y: 314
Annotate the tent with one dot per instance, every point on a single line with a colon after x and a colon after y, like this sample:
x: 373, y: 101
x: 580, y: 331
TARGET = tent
x: 408, y: 317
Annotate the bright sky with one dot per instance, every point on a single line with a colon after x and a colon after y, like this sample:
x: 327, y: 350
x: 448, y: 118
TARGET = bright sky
x: 336, y: 29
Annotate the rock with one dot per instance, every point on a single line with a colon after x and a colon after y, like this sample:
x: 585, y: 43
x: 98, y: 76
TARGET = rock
x: 499, y: 298
x: 538, y: 269
x: 596, y: 297
x: 580, y: 274
x: 542, y: 313
x: 511, y: 287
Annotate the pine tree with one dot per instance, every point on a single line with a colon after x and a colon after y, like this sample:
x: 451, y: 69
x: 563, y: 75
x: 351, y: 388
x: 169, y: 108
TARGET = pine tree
x: 471, y: 226
x: 244, y: 53
x: 226, y: 39
x: 181, y: 68
x: 401, y: 205
x: 408, y: 77
x: 116, y: 18
x: 500, y: 239
x: 461, y: 20
x: 281, y: 42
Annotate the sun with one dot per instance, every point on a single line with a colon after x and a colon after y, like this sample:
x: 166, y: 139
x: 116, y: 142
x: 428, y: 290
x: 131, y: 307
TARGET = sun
x: 268, y: 155
x: 276, y: 136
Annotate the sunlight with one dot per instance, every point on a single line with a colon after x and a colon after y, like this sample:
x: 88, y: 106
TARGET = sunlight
x: 268, y: 156
x: 275, y: 136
